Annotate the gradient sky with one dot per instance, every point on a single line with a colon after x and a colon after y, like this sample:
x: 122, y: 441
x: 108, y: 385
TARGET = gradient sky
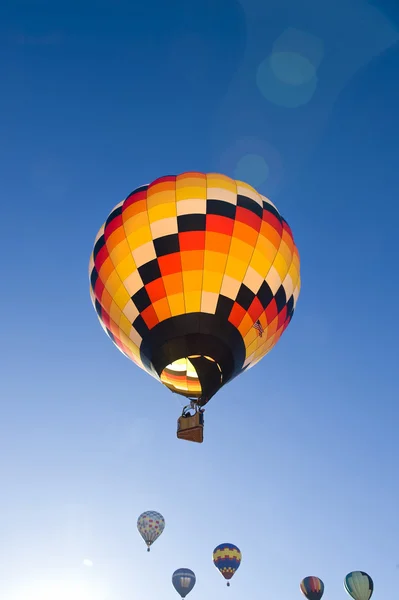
x: 299, y: 466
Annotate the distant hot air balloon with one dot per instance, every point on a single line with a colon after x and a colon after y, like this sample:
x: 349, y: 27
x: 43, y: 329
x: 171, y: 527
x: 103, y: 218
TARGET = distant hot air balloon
x: 312, y: 588
x: 195, y: 277
x: 150, y: 525
x: 359, y: 585
x: 227, y: 558
x: 183, y: 581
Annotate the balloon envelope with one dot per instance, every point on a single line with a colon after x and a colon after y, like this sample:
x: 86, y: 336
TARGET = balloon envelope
x: 227, y: 558
x: 150, y: 525
x: 183, y: 581
x: 312, y: 588
x: 359, y: 585
x: 195, y: 277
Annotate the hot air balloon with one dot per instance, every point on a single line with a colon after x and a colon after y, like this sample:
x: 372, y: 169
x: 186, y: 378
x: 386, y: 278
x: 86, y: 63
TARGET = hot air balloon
x: 227, y: 558
x: 312, y: 588
x: 183, y: 581
x: 359, y: 585
x: 195, y: 277
x: 150, y: 525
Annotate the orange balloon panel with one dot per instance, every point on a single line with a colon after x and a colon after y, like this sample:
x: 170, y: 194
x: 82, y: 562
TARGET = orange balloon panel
x: 195, y: 277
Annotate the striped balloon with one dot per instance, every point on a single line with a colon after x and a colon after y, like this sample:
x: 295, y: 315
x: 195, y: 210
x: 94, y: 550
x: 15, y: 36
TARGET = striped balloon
x: 312, y: 588
x: 359, y: 585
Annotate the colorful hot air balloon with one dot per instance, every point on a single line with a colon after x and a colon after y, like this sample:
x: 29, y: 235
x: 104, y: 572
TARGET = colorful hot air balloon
x: 312, y: 588
x: 183, y: 581
x: 150, y: 525
x: 359, y: 585
x: 227, y: 558
x: 195, y: 277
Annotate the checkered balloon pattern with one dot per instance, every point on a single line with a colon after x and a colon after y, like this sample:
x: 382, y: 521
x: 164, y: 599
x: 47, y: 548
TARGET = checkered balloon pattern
x: 194, y: 278
x: 227, y: 558
x: 150, y: 525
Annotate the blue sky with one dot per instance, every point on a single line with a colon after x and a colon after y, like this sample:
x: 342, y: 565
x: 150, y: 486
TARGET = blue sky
x: 299, y: 464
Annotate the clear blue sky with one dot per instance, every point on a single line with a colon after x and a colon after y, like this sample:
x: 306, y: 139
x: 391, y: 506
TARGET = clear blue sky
x: 299, y: 466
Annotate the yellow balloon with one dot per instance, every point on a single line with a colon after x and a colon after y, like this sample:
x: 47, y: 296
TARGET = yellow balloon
x: 195, y: 277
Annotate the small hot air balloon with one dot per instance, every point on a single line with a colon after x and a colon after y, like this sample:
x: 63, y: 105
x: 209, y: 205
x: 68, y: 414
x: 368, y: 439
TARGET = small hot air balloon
x: 359, y: 585
x: 227, y: 558
x: 150, y: 525
x: 183, y: 581
x: 312, y: 588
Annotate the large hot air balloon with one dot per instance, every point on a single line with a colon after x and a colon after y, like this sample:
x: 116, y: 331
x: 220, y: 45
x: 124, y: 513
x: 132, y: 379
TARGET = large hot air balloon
x: 183, y: 581
x: 227, y: 558
x: 312, y: 588
x: 359, y: 585
x: 150, y: 525
x: 194, y: 278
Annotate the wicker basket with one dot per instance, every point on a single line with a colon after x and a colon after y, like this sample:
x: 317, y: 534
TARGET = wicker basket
x: 191, y: 428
